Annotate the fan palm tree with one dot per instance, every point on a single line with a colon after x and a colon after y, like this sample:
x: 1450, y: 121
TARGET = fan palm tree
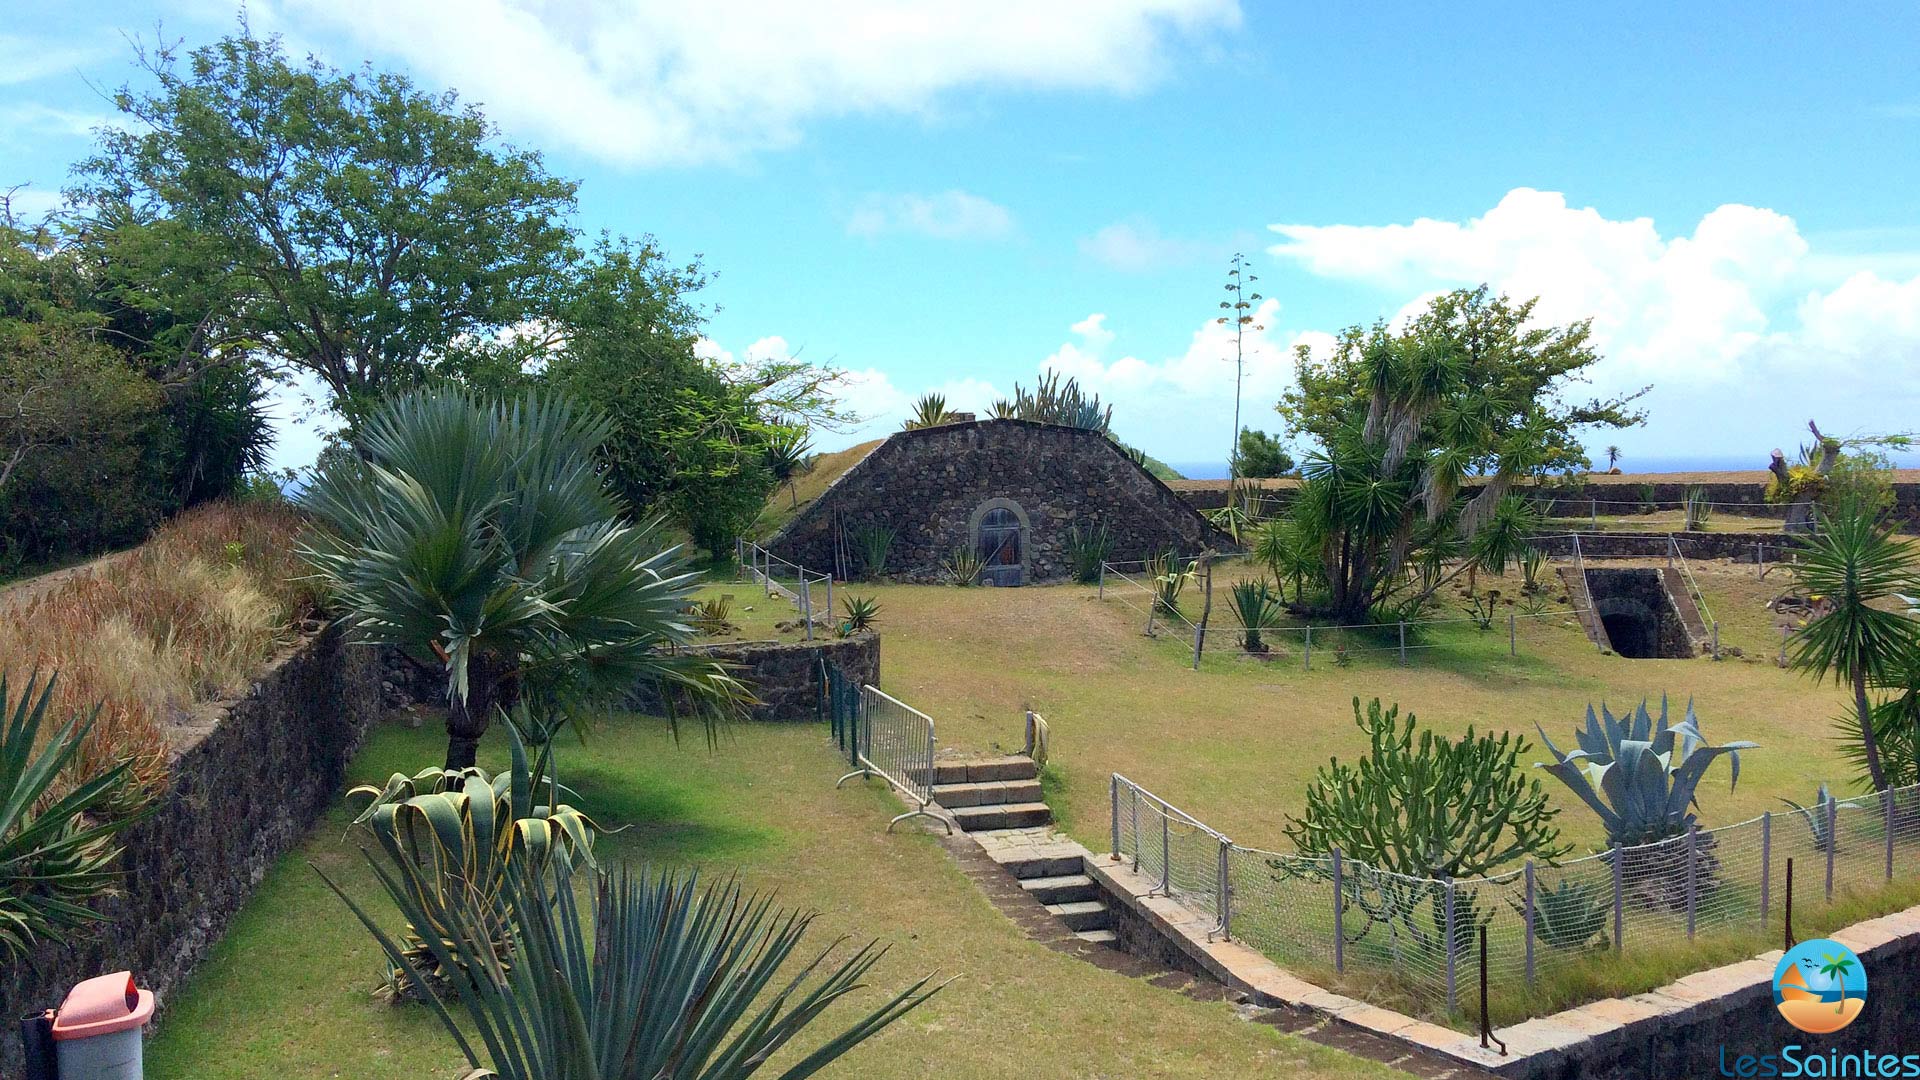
x: 480, y: 540
x: 1855, y: 563
x: 668, y: 980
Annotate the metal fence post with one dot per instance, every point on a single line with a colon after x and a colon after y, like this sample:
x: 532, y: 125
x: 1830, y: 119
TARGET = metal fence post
x: 1619, y: 897
x: 1199, y: 643
x: 1152, y: 601
x: 1136, y: 829
x: 1339, y: 915
x: 1103, y: 579
x: 1453, y: 955
x: 1833, y: 842
x: 1593, y: 514
x: 739, y: 555
x: 1403, y: 643
x: 1113, y: 794
x: 1716, y: 639
x: 1887, y: 797
x: 806, y: 604
x: 1226, y: 889
x: 1166, y: 853
x: 1309, y: 651
x: 1693, y: 876
x: 829, y: 597
x: 1513, y: 636
x: 1766, y: 862
x: 1527, y: 912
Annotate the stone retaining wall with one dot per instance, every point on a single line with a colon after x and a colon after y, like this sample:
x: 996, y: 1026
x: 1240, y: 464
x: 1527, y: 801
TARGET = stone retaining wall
x: 785, y: 675
x: 1739, y: 547
x: 248, y: 779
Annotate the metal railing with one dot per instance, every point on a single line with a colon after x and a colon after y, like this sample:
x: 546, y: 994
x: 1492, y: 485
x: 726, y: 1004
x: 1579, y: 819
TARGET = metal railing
x: 894, y: 741
x: 763, y: 566
x: 1330, y: 911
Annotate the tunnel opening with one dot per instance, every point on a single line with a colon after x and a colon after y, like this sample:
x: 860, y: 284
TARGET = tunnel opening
x: 1638, y: 616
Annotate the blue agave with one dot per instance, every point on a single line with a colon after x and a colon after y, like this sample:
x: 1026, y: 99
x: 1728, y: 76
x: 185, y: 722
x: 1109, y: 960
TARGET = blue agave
x: 1638, y: 775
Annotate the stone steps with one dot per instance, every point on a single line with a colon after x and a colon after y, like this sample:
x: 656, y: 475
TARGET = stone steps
x: 995, y: 816
x: 1098, y: 937
x: 986, y: 793
x: 1083, y: 915
x: 1062, y: 889
x: 983, y: 770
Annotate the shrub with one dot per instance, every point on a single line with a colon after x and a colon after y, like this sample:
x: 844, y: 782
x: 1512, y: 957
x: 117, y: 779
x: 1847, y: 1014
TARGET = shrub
x: 862, y: 612
x: 1258, y: 607
x: 711, y: 617
x: 1169, y: 578
x: 962, y: 566
x: 1088, y: 546
x: 873, y: 543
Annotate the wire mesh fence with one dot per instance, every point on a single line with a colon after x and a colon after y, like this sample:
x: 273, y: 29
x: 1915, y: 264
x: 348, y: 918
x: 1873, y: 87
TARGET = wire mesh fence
x: 1421, y: 934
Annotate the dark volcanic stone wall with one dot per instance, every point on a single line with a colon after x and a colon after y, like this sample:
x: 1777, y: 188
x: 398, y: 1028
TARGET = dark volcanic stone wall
x: 244, y: 789
x: 785, y: 676
x: 927, y: 485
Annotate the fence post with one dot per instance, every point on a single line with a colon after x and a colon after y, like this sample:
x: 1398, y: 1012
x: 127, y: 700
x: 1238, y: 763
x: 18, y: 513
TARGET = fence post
x: 1103, y: 579
x: 1716, y: 639
x: 1619, y: 897
x: 766, y: 575
x: 1693, y: 876
x: 1153, y: 600
x: 1339, y: 916
x: 1113, y: 816
x: 1513, y: 636
x: 1766, y: 862
x: 1206, y: 611
x: 1833, y: 841
x: 1453, y: 955
x: 1403, y: 643
x: 1788, y: 922
x: 829, y: 596
x: 1887, y: 797
x: 739, y: 555
x: 1199, y: 643
x: 1527, y: 911
x: 1760, y: 559
x: 1226, y: 889
x: 1166, y: 852
x: 1136, y: 830
x: 1308, y: 655
x: 806, y: 604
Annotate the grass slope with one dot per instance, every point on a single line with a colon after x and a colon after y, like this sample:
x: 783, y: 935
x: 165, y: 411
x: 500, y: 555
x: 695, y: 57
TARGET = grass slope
x: 285, y: 993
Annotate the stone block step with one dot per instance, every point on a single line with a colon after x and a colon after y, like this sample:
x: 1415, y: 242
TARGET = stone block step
x: 1083, y: 915
x: 980, y: 770
x: 1098, y: 937
x: 1042, y: 865
x: 1061, y: 889
x: 1002, y: 816
x: 986, y: 793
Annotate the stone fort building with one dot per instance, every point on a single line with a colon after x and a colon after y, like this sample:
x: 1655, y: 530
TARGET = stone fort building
x: 1007, y: 489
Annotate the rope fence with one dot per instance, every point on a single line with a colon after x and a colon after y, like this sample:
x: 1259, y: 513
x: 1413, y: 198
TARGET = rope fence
x: 798, y: 586
x: 1420, y: 933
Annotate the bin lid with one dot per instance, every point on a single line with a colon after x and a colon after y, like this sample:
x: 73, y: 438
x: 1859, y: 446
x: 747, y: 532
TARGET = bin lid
x: 103, y: 1005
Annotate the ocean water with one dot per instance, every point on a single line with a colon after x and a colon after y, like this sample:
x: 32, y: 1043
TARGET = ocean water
x: 1629, y: 463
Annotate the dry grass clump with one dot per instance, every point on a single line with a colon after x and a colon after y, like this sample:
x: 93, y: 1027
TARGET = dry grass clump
x: 185, y: 618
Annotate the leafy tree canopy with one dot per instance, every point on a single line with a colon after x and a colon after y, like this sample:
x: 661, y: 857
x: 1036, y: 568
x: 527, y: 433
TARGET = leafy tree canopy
x: 1260, y: 456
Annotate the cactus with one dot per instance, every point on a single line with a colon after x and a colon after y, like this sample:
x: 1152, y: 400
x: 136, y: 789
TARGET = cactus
x: 1639, y: 776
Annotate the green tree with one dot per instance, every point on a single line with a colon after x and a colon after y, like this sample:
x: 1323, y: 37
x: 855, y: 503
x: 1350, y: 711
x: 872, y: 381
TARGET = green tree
x: 1261, y: 456
x: 1471, y: 387
x: 1856, y: 565
x: 482, y: 541
x: 355, y: 226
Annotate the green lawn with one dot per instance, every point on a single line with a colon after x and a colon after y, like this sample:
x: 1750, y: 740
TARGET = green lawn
x: 286, y: 993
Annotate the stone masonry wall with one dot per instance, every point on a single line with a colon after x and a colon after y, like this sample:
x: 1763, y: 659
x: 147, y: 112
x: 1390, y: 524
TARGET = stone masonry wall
x: 1737, y: 546
x: 927, y: 485
x: 785, y: 676
x: 247, y: 782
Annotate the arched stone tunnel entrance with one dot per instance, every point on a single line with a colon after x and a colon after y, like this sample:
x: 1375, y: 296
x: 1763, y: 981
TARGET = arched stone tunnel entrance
x: 1638, y: 616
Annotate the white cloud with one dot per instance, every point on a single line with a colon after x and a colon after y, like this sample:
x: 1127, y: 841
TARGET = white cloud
x: 652, y: 82
x: 1137, y: 245
x: 29, y: 117
x: 24, y: 59
x: 948, y: 215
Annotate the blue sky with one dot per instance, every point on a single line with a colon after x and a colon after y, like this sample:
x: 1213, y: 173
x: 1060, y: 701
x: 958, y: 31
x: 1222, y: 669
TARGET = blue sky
x: 958, y: 196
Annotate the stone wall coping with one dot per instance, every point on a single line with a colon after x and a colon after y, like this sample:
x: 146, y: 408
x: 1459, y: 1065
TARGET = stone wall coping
x: 1535, y: 1046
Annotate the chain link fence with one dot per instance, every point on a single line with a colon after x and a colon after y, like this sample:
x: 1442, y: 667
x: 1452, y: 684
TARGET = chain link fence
x: 1421, y: 935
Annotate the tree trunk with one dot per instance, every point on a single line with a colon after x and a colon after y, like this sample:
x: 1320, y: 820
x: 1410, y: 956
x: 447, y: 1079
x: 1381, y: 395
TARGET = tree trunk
x: 1869, y: 741
x: 1800, y: 509
x: 491, y: 686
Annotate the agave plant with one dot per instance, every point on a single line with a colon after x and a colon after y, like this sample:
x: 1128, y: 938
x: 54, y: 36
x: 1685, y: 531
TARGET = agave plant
x: 1258, y: 607
x: 875, y: 543
x: 56, y: 851
x: 862, y: 613
x: 1640, y: 775
x: 1055, y: 402
x: 463, y: 831
x: 1532, y: 562
x: 713, y: 618
x: 1568, y: 915
x: 1698, y: 509
x: 1087, y: 549
x: 1169, y: 578
x: 963, y: 565
x: 929, y: 411
x: 667, y: 979
x: 1817, y: 816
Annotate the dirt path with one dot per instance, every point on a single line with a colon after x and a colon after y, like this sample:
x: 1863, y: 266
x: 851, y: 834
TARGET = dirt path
x: 19, y: 592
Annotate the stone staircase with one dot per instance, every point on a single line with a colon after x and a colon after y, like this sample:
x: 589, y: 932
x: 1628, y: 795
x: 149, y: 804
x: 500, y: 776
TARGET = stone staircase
x: 1581, y: 601
x: 997, y: 801
x: 1683, y: 604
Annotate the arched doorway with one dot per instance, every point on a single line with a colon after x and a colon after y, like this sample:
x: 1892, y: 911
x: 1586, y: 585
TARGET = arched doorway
x: 999, y: 529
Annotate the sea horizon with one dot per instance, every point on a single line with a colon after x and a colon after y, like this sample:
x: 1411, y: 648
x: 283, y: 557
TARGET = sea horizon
x: 1668, y: 463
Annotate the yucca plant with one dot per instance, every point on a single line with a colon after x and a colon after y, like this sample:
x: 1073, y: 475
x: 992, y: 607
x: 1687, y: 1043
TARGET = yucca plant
x: 1088, y: 546
x: 1258, y: 607
x: 56, y: 851
x: 963, y: 565
x: 862, y: 614
x: 1641, y: 776
x: 1698, y: 510
x: 465, y: 831
x: 1533, y: 562
x: 1169, y: 576
x: 665, y: 979
x: 874, y: 543
x: 929, y: 411
x: 786, y: 454
x: 482, y: 541
x: 1816, y: 817
x: 1288, y: 550
x: 713, y: 617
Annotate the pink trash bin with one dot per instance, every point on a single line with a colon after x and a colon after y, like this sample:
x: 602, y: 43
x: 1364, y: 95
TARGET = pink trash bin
x: 97, y: 1031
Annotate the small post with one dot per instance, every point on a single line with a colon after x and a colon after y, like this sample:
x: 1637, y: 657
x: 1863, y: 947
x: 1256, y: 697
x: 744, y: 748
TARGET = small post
x: 829, y: 597
x: 739, y: 555
x: 1153, y: 601
x: 1789, y: 921
x: 1339, y: 915
x: 1103, y: 579
x: 766, y: 574
x: 1403, y: 643
x: 1716, y: 639
x: 806, y: 604
x: 1887, y: 797
x: 1760, y: 559
x: 1766, y: 862
x: 1136, y: 830
x: 1206, y: 610
x: 1513, y: 636
x: 1166, y: 853
x: 1619, y: 897
x: 1199, y: 643
x: 1833, y: 842
x: 1693, y: 876
x: 1527, y: 911
x: 1226, y: 889
x: 1453, y: 955
x: 1308, y: 654
x: 1113, y: 816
